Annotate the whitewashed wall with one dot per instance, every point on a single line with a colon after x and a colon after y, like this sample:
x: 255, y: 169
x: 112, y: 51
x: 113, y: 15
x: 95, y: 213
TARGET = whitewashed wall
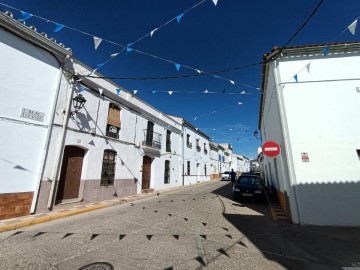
x: 29, y: 79
x: 322, y: 120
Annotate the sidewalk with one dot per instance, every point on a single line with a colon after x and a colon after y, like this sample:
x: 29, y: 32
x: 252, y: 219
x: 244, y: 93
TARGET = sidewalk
x: 25, y: 221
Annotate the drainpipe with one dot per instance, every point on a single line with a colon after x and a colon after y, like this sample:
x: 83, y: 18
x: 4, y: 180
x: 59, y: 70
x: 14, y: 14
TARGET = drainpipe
x: 47, y: 143
x: 183, y: 154
x: 60, y: 149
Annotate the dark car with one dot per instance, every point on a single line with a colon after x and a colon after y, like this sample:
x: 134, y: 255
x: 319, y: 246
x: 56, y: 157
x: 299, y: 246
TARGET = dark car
x: 248, y: 186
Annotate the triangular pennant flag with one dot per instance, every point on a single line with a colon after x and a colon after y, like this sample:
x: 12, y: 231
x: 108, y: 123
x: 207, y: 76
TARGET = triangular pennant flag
x: 231, y: 81
x: 58, y: 27
x: 114, y: 54
x: 153, y: 31
x: 177, y: 66
x: 296, y: 78
x: 228, y: 235
x: 91, y: 143
x: 83, y: 88
x: 240, y: 103
x: 206, y: 91
x: 118, y: 91
x: 243, y: 92
x: 97, y: 42
x: 242, y: 243
x: 178, y: 18
x: 176, y: 236
x: 25, y: 16
x: 128, y: 49
x: 170, y: 92
x: 325, y: 50
x: 149, y: 236
x: 352, y: 27
x: 226, y: 229
x: 215, y: 2
x: 198, y: 71
x: 135, y: 91
x: 153, y: 92
x: 121, y: 236
x: 101, y: 91
x: 18, y: 232
x: 308, y: 67
x: 204, y: 223
x: 195, y: 118
x: 203, y: 236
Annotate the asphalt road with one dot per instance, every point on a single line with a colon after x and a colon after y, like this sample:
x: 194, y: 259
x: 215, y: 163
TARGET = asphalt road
x: 198, y: 227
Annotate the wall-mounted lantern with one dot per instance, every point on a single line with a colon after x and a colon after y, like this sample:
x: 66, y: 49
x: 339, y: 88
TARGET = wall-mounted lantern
x: 78, y: 103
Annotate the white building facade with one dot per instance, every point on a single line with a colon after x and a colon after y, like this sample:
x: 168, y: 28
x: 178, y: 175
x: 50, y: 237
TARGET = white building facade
x: 311, y: 107
x: 27, y: 109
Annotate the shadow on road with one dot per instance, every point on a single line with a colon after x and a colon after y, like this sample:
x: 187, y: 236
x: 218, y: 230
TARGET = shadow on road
x: 292, y: 246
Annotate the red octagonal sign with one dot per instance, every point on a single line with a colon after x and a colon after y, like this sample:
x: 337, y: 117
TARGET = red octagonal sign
x: 271, y: 149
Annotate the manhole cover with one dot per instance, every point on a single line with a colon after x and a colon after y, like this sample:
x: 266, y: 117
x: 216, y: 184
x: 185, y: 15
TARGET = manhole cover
x: 98, y: 266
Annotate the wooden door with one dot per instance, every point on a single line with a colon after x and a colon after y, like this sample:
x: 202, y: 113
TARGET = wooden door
x: 146, y: 172
x: 70, y: 175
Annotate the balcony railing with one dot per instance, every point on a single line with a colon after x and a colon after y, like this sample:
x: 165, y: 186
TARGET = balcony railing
x: 152, y: 140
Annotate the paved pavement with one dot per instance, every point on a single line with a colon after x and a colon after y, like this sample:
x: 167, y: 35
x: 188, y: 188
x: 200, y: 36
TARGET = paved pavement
x: 198, y: 227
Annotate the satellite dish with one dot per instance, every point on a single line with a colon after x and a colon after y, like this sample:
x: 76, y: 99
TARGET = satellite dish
x: 142, y: 153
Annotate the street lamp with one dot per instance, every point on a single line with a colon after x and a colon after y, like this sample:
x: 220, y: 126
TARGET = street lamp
x: 78, y: 103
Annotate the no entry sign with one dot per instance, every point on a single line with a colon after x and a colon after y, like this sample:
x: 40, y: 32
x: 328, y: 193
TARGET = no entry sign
x: 271, y: 149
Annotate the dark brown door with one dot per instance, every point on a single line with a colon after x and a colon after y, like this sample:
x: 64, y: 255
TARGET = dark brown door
x: 70, y: 175
x: 146, y: 172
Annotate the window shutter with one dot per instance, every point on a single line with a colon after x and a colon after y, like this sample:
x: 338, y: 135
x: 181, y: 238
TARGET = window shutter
x: 114, y: 116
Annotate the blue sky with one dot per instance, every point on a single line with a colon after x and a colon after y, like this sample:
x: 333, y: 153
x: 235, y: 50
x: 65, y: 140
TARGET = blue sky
x: 209, y: 38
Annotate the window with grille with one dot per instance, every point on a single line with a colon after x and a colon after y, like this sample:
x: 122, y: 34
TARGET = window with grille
x: 113, y: 121
x: 167, y: 172
x: 205, y: 170
x: 168, y: 141
x: 188, y: 168
x: 108, y: 168
x: 188, y: 141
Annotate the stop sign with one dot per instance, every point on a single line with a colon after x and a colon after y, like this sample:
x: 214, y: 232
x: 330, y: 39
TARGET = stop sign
x: 271, y: 149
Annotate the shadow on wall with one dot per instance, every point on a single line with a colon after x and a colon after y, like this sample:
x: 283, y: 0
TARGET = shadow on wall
x: 331, y: 204
x: 292, y: 246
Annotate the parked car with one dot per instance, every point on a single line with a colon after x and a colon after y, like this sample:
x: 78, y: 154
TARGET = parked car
x: 248, y: 186
x: 226, y: 176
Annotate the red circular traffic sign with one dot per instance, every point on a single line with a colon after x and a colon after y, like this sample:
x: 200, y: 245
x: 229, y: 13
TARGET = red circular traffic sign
x: 271, y: 149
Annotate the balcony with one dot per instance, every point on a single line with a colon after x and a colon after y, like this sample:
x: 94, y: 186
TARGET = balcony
x: 151, y: 143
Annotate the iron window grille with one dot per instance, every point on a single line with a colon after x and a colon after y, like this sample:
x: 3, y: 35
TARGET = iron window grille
x: 108, y: 168
x: 188, y: 168
x: 167, y: 172
x: 168, y: 141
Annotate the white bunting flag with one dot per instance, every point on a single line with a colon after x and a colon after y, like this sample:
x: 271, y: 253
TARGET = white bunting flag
x: 153, y: 31
x: 198, y: 71
x: 243, y: 92
x: 308, y: 67
x: 101, y: 91
x: 135, y: 91
x: 170, y: 92
x: 97, y: 42
x: 232, y: 81
x: 215, y: 2
x: 114, y: 54
x: 206, y: 91
x: 352, y: 27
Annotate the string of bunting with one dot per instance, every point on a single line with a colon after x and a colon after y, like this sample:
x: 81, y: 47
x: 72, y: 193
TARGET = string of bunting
x: 129, y: 47
x: 325, y: 51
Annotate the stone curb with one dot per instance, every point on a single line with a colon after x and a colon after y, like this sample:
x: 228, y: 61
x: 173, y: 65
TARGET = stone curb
x: 59, y: 214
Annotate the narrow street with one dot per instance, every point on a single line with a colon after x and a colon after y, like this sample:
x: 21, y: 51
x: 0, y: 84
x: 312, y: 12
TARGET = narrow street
x: 197, y: 227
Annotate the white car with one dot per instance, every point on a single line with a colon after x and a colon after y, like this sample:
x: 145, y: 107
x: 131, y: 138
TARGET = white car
x: 225, y: 176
